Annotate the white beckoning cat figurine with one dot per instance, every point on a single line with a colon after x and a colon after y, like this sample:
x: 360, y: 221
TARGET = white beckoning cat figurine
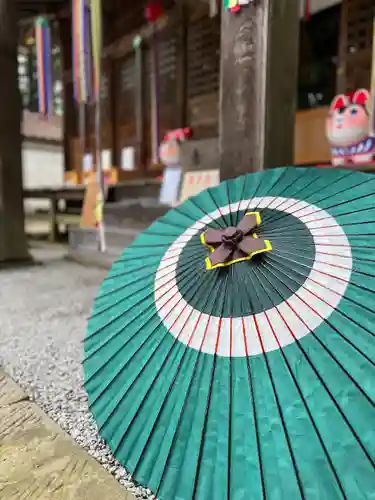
x: 347, y: 129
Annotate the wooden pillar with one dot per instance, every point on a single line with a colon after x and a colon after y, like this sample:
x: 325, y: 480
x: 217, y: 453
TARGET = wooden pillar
x: 341, y: 83
x: 139, y: 92
x: 259, y: 64
x: 13, y: 241
x: 181, y: 72
x: 116, y: 158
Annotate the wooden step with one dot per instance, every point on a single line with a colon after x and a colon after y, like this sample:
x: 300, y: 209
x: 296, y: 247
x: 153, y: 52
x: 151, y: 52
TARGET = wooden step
x: 83, y: 245
x: 141, y: 212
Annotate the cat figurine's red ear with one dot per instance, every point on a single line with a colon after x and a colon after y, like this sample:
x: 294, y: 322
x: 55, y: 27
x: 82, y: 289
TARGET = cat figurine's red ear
x: 361, y: 97
x: 340, y: 101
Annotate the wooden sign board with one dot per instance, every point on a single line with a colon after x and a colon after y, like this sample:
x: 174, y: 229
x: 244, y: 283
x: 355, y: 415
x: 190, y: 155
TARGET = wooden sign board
x: 200, y: 155
x: 196, y: 181
x: 90, y: 205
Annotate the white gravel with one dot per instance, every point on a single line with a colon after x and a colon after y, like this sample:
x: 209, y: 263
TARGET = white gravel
x: 43, y: 316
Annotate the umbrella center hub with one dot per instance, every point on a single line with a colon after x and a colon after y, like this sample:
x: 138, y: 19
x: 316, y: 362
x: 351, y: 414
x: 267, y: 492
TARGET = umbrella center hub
x: 232, y: 237
x: 234, y: 244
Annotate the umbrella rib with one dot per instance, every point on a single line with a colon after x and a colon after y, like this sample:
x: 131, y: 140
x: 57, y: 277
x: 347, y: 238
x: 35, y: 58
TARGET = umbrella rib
x: 307, y: 408
x: 146, y: 297
x: 127, y: 258
x: 135, y: 269
x: 110, y: 306
x: 196, y: 245
x: 191, y: 380
x: 352, y: 212
x: 299, y: 390
x: 362, y: 196
x: 279, y: 409
x: 143, y: 367
x: 291, y: 242
x: 292, y: 195
x: 213, y: 279
x: 277, y: 401
x: 182, y: 213
x: 231, y: 220
x: 337, y: 310
x: 359, y: 259
x: 194, y: 257
x: 209, y: 193
x: 354, y: 270
x: 281, y: 263
x: 134, y: 318
x: 281, y: 230
x: 230, y: 395
x: 242, y: 195
x: 192, y: 260
x: 208, y: 402
x: 137, y: 246
x: 135, y: 333
x: 273, y: 198
x: 317, y: 372
x: 193, y: 202
x: 269, y: 187
x: 253, y: 403
x: 254, y: 195
x: 169, y: 390
x: 110, y: 338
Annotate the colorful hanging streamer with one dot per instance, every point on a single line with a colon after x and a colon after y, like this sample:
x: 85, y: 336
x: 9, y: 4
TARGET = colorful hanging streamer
x: 97, y: 42
x: 234, y: 6
x: 153, y: 12
x: 96, y: 37
x: 82, y: 72
x: 44, y: 65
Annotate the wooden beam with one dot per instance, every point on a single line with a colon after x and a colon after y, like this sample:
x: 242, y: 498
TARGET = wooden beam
x: 259, y: 63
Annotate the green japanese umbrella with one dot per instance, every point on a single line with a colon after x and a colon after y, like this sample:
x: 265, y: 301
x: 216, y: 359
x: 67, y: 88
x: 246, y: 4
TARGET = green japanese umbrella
x: 230, y: 353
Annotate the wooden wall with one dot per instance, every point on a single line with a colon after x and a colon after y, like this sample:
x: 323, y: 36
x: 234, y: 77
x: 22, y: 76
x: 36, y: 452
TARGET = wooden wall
x: 189, y: 62
x: 310, y: 143
x: 355, y: 46
x: 203, y: 74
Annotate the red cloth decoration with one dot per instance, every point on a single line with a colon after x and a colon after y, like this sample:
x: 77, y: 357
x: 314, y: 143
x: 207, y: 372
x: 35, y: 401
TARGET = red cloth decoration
x: 153, y: 11
x: 307, y: 10
x: 180, y: 134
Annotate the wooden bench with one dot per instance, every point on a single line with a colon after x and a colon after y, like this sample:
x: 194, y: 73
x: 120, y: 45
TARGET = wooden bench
x: 54, y: 215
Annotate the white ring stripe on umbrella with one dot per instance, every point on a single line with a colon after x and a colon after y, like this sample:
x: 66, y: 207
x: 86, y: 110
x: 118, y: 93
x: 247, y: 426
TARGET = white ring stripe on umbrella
x: 192, y: 327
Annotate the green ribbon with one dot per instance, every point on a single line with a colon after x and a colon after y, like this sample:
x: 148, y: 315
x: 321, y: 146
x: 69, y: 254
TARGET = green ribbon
x: 137, y: 42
